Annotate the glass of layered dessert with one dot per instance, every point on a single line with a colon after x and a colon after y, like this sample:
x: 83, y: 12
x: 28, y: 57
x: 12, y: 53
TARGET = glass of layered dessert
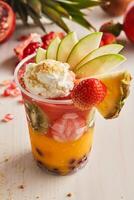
x: 60, y: 101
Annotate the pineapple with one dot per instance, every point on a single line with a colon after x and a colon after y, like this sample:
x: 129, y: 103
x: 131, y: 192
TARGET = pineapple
x: 117, y: 84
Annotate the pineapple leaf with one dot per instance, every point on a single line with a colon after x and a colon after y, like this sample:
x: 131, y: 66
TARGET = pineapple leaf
x: 55, y: 16
x: 35, y: 5
x: 81, y: 4
x: 22, y: 11
x: 55, y: 10
x: 35, y: 17
x: 78, y: 17
x: 58, y: 8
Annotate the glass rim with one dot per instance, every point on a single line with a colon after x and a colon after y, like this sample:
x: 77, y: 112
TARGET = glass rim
x: 33, y: 96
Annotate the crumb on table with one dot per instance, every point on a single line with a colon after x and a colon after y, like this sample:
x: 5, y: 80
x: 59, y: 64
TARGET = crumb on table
x: 69, y: 195
x: 21, y: 187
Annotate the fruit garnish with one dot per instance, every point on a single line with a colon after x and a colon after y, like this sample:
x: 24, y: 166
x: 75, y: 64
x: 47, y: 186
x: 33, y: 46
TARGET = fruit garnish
x: 88, y: 93
x: 118, y: 84
x: 51, y: 52
x: 31, y: 48
x: 128, y: 25
x: 7, y: 118
x: 40, y: 55
x: 107, y: 49
x: 37, y: 118
x: 107, y: 38
x: 7, y: 21
x: 100, y: 65
x: 66, y: 45
x: 84, y: 47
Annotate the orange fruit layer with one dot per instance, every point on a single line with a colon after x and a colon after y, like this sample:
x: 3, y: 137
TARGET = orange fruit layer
x: 53, y: 154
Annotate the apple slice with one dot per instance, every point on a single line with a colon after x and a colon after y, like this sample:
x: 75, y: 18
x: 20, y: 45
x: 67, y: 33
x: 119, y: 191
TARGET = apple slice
x: 66, y: 46
x: 84, y: 47
x: 40, y: 55
x: 107, y: 49
x: 100, y: 65
x: 52, y: 49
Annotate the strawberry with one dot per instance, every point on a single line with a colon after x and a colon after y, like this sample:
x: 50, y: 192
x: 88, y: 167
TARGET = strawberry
x: 107, y: 38
x: 110, y: 27
x: 88, y: 93
x: 128, y: 25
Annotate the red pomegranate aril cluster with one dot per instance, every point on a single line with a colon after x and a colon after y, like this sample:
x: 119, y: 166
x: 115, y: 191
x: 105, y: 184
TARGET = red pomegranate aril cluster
x: 7, y: 118
x: 3, y: 20
x: 11, y: 90
x: 31, y: 48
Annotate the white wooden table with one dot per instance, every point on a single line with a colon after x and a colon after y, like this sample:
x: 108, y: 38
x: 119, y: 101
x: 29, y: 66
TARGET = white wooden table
x: 110, y: 172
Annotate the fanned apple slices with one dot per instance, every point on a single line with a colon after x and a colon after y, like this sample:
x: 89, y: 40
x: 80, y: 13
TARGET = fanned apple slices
x: 86, y: 59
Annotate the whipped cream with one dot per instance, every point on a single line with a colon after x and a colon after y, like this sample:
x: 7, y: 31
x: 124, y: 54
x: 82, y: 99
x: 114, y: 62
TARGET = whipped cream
x: 49, y: 79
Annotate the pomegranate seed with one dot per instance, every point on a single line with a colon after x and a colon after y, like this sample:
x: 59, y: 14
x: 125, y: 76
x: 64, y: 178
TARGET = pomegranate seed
x: 31, y: 48
x: 15, y: 92
x: 21, y: 101
x: 23, y: 37
x: 12, y: 85
x: 7, y: 118
x: 6, y: 93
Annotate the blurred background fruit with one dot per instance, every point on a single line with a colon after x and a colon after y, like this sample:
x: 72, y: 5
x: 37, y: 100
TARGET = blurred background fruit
x: 115, y: 29
x: 116, y: 7
x: 7, y: 21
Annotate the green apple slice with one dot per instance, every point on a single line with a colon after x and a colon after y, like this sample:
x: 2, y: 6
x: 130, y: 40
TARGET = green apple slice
x: 66, y: 46
x: 107, y: 49
x: 100, y: 65
x: 40, y: 55
x: 84, y: 47
x: 51, y: 52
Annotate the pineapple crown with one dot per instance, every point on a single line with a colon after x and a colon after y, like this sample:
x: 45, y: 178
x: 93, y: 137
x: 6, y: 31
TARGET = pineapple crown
x: 55, y: 10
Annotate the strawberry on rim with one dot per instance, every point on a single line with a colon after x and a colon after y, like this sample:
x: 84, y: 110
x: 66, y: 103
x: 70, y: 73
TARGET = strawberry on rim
x: 88, y: 93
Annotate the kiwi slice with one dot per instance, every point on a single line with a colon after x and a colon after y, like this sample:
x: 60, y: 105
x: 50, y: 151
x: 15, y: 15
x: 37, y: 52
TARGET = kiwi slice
x: 37, y: 118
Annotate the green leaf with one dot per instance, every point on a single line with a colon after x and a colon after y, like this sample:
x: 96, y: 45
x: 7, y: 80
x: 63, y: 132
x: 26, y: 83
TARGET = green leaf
x: 35, y: 17
x: 58, y: 8
x: 55, y: 16
x: 67, y: 2
x: 22, y: 11
x: 83, y: 22
x: 73, y: 11
x: 81, y: 4
x: 35, y: 5
x: 78, y: 17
